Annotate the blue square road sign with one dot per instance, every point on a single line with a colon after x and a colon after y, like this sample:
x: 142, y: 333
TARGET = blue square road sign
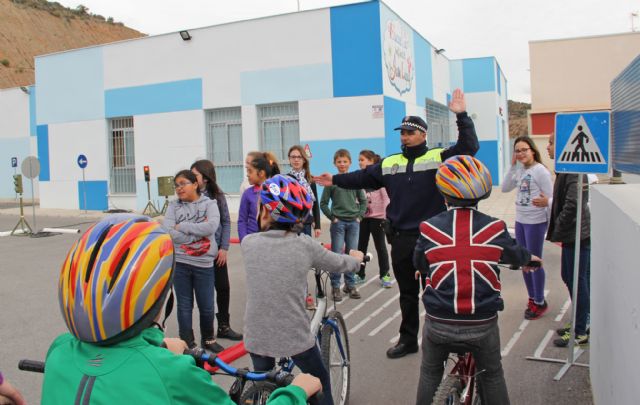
x: 582, y: 142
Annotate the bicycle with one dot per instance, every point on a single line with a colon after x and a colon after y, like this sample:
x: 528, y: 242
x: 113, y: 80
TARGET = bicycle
x: 460, y: 385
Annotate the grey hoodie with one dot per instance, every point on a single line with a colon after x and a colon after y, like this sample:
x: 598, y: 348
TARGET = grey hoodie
x: 194, y: 239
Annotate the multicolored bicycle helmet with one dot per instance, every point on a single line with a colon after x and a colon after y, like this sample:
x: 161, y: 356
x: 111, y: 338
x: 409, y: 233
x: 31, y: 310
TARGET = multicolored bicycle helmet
x: 286, y: 200
x: 115, y: 279
x: 463, y: 180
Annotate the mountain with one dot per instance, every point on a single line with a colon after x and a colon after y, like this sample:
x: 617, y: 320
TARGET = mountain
x: 518, y: 121
x: 30, y: 28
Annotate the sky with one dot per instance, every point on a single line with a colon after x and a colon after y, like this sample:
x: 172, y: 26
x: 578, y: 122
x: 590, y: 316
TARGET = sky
x: 464, y: 28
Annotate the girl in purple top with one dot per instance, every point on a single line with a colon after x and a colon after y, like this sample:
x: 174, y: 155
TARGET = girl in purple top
x: 259, y: 166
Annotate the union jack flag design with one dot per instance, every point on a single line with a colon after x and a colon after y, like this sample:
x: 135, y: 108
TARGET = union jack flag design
x: 463, y: 258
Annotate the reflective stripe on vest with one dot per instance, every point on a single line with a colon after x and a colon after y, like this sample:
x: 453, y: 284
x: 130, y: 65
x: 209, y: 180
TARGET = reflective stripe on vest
x: 395, y: 164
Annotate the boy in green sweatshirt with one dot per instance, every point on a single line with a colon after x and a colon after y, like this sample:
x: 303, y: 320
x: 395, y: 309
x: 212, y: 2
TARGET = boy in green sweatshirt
x: 346, y: 210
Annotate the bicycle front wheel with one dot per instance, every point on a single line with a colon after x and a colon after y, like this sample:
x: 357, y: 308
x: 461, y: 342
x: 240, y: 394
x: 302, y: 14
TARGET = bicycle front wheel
x: 337, y: 361
x: 448, y: 392
x: 257, y: 394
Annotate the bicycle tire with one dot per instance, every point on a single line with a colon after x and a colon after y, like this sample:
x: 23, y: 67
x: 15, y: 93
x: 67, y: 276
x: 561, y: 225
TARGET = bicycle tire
x: 257, y: 394
x: 339, y: 368
x: 448, y: 392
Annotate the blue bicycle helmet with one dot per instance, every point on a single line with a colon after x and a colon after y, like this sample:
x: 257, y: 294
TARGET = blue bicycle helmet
x: 286, y: 200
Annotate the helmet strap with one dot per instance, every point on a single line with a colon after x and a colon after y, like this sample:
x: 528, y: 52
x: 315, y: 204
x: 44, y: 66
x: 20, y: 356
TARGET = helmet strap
x: 168, y: 308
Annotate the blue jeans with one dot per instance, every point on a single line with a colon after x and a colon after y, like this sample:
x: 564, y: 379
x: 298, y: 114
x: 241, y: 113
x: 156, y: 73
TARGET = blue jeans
x: 344, y: 235
x: 584, y: 284
x: 483, y: 341
x: 309, y: 361
x: 187, y: 280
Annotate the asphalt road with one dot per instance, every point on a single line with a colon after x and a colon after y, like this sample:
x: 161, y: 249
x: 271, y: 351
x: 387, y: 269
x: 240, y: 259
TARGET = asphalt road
x: 31, y: 320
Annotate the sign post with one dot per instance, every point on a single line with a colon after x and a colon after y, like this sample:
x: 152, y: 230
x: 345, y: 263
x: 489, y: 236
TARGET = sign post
x: 14, y: 164
x: 82, y: 163
x: 150, y: 209
x: 582, y: 146
x: 31, y: 169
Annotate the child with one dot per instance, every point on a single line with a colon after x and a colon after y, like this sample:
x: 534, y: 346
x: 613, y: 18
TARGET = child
x: 123, y: 266
x: 458, y: 252
x: 192, y: 221
x: 206, y: 174
x: 372, y: 223
x: 532, y: 180
x: 260, y: 166
x: 277, y: 261
x: 347, y: 209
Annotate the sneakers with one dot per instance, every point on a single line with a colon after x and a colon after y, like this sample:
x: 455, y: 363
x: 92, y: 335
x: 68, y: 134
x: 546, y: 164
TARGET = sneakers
x: 310, y: 303
x: 385, y: 281
x: 567, y: 327
x: 535, y: 311
x: 563, y: 341
x: 336, y: 294
x: 358, y: 279
x: 212, y: 346
x: 352, y: 291
x: 529, y: 307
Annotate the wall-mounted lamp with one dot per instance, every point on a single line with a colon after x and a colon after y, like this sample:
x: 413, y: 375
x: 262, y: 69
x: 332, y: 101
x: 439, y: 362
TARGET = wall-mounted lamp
x: 25, y: 90
x: 185, y: 35
x: 439, y: 51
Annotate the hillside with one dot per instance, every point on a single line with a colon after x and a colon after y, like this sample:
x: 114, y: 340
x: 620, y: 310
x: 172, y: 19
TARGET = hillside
x: 518, y: 123
x: 35, y: 27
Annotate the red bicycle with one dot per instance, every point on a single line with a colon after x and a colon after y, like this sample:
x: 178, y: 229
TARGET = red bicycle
x: 460, y: 386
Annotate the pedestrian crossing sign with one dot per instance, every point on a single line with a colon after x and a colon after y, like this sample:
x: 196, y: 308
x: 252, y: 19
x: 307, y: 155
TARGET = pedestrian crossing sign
x: 582, y: 142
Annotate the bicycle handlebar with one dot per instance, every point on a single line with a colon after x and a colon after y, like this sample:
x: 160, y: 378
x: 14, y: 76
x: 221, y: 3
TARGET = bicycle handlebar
x: 31, y: 365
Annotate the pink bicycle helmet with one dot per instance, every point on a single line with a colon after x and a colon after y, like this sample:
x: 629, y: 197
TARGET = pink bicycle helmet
x: 286, y: 200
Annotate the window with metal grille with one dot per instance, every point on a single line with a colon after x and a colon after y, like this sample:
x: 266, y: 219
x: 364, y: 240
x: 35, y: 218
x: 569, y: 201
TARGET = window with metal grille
x: 279, y: 130
x: 439, y: 131
x: 122, y: 163
x: 224, y: 147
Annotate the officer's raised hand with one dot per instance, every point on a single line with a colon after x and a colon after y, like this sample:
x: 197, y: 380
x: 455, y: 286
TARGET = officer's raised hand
x: 457, y: 103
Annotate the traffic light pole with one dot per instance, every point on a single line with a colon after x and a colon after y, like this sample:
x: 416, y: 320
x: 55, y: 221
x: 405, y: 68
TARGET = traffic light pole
x: 22, y: 223
x: 150, y: 209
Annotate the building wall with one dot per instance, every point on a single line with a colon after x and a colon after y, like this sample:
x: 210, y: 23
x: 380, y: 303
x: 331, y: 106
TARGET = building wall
x: 15, y: 139
x: 337, y: 63
x: 615, y: 303
x: 574, y: 74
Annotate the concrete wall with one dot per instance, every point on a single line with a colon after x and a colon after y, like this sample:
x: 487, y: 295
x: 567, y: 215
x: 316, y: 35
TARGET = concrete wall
x: 615, y: 302
x: 574, y: 74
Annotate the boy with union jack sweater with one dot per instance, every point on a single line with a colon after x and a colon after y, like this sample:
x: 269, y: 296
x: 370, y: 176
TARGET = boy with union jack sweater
x: 457, y: 253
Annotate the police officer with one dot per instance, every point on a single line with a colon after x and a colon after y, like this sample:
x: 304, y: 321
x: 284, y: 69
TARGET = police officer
x: 409, y: 178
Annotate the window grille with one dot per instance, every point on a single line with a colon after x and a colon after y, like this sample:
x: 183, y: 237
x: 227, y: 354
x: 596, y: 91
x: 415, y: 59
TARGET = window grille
x: 224, y: 147
x: 279, y: 130
x: 439, y: 133
x: 122, y: 170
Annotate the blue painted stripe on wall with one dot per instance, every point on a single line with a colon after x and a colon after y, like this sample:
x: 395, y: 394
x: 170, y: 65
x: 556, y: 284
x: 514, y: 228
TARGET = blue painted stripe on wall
x: 424, y: 69
x: 488, y: 154
x: 97, y: 191
x: 32, y: 111
x: 70, y: 86
x: 479, y: 75
x: 356, y: 49
x: 43, y: 151
x: 394, y: 111
x: 182, y: 95
x: 20, y: 148
x: 306, y: 82
x: 455, y: 74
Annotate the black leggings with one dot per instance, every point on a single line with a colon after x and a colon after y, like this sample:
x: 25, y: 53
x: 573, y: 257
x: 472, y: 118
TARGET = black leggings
x: 373, y: 226
x: 222, y: 294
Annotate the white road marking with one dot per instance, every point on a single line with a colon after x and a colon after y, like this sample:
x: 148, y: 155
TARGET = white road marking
x: 374, y: 313
x: 360, y: 305
x: 517, y: 334
x: 345, y: 297
x: 543, y: 343
x: 385, y: 323
x: 563, y: 310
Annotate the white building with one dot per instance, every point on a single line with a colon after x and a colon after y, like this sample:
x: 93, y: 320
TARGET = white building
x: 339, y: 77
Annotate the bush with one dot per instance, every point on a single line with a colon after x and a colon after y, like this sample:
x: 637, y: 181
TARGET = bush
x: 5, y: 62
